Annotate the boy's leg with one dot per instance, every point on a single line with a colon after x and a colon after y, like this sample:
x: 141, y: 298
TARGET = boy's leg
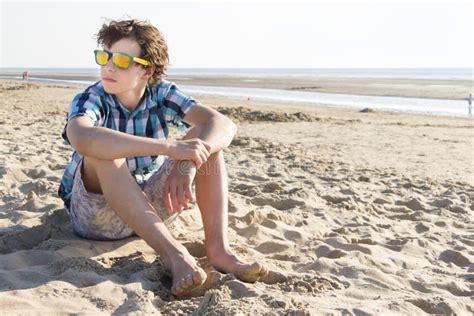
x: 212, y: 199
x: 125, y: 197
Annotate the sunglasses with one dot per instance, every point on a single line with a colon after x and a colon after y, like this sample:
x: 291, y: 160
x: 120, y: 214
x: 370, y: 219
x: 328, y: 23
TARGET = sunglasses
x: 121, y: 61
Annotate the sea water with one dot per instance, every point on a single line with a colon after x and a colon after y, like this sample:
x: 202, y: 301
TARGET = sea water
x: 443, y: 107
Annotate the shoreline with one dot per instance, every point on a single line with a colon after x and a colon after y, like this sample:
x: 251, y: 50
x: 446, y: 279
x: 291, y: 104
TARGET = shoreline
x: 346, y: 112
x: 272, y: 103
x: 415, y: 88
x: 397, y: 87
x: 455, y: 109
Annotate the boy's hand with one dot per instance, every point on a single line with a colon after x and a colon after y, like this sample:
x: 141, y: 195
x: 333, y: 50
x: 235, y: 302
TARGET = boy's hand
x: 178, y: 186
x: 194, y: 149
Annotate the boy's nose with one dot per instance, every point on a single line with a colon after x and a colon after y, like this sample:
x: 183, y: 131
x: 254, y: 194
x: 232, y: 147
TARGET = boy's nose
x: 110, y: 65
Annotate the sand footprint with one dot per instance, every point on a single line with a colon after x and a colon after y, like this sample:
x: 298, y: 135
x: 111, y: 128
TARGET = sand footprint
x: 442, y: 203
x: 271, y: 187
x: 245, y: 190
x: 413, y: 204
x: 455, y: 288
x: 336, y: 198
x: 452, y: 256
x: 419, y: 286
x: 334, y: 242
x: 312, y: 284
x: 431, y: 307
x: 274, y: 246
x: 26, y: 239
x: 279, y: 204
x: 324, y: 251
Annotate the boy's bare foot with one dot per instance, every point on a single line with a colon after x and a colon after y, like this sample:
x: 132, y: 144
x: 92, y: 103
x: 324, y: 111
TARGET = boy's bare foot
x: 227, y: 262
x: 187, y: 275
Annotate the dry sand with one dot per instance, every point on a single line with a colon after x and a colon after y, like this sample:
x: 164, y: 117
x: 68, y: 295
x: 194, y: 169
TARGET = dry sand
x: 363, y: 213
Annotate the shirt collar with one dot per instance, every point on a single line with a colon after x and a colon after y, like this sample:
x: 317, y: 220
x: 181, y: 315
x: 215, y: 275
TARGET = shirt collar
x: 146, y: 101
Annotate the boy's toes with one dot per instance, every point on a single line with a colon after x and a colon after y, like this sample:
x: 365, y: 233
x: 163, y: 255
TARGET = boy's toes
x: 198, y: 277
x: 188, y: 280
x: 251, y: 272
x: 187, y: 284
x: 181, y: 285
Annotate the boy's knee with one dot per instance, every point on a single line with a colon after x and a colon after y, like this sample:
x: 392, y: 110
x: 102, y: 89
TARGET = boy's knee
x: 120, y: 162
x: 93, y: 168
x: 217, y: 155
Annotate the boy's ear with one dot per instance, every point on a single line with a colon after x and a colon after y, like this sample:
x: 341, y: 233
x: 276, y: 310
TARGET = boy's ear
x: 149, y: 71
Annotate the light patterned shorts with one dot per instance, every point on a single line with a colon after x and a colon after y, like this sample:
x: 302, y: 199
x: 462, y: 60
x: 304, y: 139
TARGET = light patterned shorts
x: 93, y: 218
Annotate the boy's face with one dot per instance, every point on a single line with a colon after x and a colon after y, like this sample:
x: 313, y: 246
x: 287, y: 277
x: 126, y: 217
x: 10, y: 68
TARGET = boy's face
x: 135, y: 77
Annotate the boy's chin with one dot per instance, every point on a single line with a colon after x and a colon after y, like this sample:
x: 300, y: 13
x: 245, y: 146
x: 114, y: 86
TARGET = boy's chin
x: 108, y: 88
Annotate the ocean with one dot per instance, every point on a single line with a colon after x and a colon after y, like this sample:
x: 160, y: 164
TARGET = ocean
x: 457, y: 108
x: 407, y: 73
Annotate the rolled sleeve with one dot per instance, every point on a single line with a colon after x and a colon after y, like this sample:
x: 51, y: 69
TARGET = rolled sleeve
x: 84, y: 104
x: 176, y: 105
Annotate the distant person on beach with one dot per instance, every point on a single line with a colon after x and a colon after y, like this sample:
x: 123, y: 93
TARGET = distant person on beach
x: 25, y: 75
x: 125, y: 176
x: 469, y: 100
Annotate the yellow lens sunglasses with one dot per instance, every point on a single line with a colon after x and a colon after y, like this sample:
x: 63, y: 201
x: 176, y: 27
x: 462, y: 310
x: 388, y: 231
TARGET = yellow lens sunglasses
x: 121, y: 61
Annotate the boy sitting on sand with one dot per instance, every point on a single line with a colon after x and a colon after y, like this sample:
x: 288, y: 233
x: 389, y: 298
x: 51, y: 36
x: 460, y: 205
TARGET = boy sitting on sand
x: 125, y: 173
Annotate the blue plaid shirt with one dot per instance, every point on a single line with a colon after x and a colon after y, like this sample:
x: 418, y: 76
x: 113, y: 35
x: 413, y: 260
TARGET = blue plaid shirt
x: 161, y: 105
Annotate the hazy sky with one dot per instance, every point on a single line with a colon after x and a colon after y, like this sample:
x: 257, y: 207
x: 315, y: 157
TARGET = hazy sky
x: 249, y: 33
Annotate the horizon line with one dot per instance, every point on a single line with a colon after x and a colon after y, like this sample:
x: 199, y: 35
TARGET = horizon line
x: 423, y: 67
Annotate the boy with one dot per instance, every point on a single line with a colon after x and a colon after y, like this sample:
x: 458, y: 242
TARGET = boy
x: 124, y: 172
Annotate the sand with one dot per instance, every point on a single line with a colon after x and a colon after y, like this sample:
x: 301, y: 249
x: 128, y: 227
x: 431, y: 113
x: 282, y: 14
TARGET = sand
x: 357, y: 213
x: 397, y: 87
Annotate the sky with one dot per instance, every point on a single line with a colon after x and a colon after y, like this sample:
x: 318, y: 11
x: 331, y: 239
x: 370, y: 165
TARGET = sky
x: 249, y: 34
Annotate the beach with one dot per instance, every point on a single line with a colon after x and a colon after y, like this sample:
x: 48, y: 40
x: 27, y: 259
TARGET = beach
x: 354, y: 212
x: 452, y: 89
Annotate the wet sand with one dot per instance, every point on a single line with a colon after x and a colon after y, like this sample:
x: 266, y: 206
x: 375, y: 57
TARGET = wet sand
x: 419, y: 88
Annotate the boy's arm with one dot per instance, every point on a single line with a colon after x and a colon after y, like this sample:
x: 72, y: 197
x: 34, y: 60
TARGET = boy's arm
x: 212, y: 127
x: 107, y: 144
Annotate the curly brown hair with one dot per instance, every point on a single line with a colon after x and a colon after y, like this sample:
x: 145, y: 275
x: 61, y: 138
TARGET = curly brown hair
x: 151, y: 40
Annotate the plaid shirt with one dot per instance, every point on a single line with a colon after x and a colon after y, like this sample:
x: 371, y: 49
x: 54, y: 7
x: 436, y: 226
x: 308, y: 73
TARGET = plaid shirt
x: 161, y: 105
